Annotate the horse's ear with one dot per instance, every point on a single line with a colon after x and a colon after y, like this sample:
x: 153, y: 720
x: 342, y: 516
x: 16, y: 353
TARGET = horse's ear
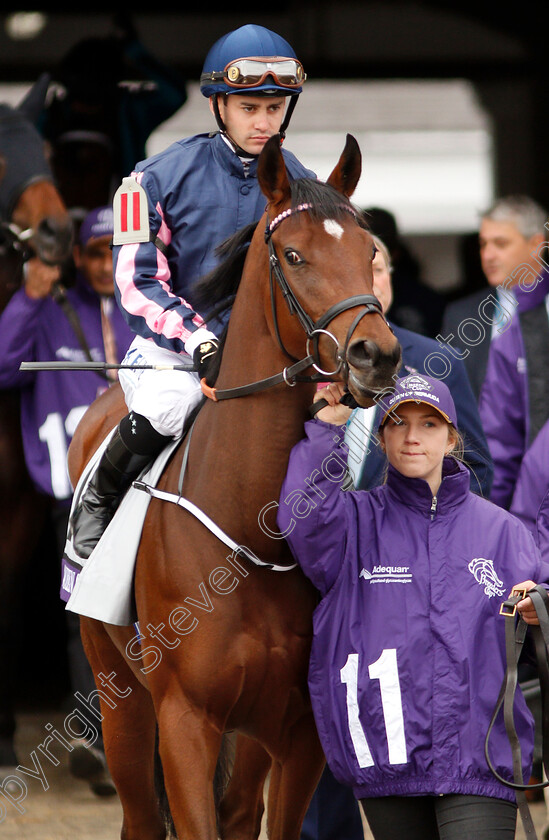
x: 33, y: 103
x: 345, y: 176
x: 271, y: 172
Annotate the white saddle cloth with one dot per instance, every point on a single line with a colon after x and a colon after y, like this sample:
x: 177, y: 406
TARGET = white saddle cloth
x: 101, y: 587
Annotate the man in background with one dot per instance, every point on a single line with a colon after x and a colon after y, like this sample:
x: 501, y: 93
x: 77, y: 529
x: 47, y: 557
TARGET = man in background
x: 44, y: 321
x: 510, y: 234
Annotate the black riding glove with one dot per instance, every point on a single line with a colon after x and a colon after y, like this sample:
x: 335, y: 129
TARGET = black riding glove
x: 203, y: 354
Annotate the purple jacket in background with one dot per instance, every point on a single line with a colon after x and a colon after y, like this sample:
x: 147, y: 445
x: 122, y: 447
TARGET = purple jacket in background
x: 529, y: 296
x: 531, y: 497
x: 503, y: 401
x: 532, y: 483
x: 503, y: 408
x: 408, y: 652
x: 542, y: 526
x: 52, y: 402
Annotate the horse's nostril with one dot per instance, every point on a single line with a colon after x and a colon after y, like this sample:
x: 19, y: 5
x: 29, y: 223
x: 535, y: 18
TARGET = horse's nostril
x: 396, y: 356
x: 363, y: 354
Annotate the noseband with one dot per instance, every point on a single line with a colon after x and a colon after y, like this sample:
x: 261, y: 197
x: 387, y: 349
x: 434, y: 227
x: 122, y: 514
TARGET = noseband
x: 313, y: 329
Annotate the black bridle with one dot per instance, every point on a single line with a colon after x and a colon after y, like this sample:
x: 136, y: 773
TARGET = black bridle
x: 313, y: 329
x: 16, y: 239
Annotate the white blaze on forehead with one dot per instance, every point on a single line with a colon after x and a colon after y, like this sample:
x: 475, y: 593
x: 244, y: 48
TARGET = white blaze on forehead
x: 333, y: 228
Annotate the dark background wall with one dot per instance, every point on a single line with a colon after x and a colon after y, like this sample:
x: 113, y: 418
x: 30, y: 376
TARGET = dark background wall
x: 500, y: 50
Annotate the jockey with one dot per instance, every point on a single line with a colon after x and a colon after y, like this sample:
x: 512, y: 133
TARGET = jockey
x: 170, y: 215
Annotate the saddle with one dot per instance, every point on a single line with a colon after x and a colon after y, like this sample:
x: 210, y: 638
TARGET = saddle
x: 101, y: 586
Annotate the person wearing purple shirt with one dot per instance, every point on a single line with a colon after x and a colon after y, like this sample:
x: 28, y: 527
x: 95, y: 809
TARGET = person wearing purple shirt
x: 532, y: 486
x: 510, y: 233
x: 514, y: 398
x: 42, y: 322
x: 408, y: 650
x: 35, y: 327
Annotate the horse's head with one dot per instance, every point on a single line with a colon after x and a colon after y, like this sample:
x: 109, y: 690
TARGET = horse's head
x: 321, y: 257
x: 32, y: 212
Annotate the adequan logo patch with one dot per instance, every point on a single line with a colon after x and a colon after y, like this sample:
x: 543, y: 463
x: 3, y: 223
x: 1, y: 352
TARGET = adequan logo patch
x: 387, y: 574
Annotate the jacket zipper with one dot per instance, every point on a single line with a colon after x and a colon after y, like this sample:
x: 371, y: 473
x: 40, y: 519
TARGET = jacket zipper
x: 434, y: 507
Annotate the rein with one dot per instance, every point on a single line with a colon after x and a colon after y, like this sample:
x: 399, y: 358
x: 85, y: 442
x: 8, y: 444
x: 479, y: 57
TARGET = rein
x: 312, y: 329
x: 515, y: 634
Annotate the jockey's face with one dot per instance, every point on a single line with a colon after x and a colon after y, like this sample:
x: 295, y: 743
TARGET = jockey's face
x: 416, y: 438
x: 251, y: 120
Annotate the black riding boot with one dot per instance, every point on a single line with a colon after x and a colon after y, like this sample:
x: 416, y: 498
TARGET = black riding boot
x: 131, y: 449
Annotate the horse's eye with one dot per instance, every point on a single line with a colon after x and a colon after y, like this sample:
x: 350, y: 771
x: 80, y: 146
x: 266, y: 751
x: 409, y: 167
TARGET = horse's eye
x: 293, y: 257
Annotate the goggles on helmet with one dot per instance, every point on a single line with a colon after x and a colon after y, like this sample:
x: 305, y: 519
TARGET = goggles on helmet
x: 252, y: 72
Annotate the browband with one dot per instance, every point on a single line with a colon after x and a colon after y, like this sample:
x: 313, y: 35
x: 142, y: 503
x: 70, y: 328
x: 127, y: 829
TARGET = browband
x: 272, y: 226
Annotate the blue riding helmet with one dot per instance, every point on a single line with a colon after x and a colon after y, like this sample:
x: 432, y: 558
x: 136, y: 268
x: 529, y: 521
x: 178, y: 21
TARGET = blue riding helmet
x: 252, y: 61
x: 226, y: 71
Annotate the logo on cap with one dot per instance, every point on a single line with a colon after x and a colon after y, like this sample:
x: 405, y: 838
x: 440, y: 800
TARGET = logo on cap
x: 417, y: 383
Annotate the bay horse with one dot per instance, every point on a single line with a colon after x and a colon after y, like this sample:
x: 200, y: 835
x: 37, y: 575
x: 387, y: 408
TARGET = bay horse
x: 224, y: 644
x: 33, y: 221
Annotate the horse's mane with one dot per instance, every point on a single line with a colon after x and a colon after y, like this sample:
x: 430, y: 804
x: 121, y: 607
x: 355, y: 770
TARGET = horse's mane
x: 215, y: 292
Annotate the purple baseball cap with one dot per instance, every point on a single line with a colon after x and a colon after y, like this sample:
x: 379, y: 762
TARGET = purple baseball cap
x: 98, y: 222
x: 421, y: 389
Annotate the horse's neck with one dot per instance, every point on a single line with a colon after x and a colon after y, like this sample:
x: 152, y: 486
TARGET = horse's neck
x: 244, y: 443
x: 267, y: 424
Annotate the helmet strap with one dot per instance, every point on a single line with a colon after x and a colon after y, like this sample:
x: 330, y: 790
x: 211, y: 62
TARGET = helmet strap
x: 288, y: 115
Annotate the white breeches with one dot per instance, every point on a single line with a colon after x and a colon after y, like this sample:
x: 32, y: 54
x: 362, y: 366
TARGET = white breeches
x: 164, y: 397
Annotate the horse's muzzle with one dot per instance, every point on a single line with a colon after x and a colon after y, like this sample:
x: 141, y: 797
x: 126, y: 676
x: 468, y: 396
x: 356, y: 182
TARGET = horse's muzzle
x: 371, y: 370
x: 366, y: 355
x: 52, y: 239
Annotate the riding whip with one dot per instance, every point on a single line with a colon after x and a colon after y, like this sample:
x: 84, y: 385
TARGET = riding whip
x: 98, y: 366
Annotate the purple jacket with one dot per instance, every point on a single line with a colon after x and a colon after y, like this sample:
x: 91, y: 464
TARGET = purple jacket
x: 408, y: 652
x: 532, y: 482
x: 52, y: 403
x: 542, y: 526
x: 503, y: 408
x: 503, y: 401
